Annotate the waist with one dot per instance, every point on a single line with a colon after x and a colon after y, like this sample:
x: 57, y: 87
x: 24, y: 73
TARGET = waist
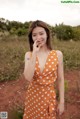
x: 50, y: 89
x: 35, y: 84
x: 43, y: 81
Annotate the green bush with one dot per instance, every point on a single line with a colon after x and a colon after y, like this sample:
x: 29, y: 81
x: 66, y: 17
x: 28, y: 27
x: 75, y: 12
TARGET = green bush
x: 16, y: 113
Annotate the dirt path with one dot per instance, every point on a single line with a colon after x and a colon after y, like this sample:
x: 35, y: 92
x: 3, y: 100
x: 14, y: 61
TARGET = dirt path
x: 12, y: 94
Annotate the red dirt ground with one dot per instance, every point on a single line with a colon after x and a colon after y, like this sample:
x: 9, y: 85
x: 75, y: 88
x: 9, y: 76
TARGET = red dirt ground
x: 12, y: 95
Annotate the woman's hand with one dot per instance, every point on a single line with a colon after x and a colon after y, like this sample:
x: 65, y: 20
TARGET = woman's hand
x: 36, y: 46
x: 60, y: 108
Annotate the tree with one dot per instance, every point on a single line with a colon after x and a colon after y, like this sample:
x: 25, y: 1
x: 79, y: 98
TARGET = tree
x: 64, y: 32
x: 76, y: 31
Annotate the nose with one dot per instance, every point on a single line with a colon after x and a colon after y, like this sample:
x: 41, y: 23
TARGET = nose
x: 38, y: 38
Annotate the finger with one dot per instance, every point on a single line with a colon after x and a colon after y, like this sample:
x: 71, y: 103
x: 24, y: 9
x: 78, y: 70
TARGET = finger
x: 60, y: 113
x: 36, y: 43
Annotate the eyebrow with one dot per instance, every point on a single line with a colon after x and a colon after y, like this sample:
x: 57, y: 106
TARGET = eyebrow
x: 39, y: 32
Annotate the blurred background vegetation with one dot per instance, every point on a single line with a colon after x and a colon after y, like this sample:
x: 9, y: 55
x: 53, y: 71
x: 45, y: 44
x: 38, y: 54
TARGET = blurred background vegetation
x: 61, y: 31
x: 14, y: 45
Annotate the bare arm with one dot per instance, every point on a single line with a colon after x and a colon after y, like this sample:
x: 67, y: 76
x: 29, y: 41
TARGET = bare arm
x: 29, y: 65
x: 60, y: 76
x: 60, y: 107
x: 30, y: 62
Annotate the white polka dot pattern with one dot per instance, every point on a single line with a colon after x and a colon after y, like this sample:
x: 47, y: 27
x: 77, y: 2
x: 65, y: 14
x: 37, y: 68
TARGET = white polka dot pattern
x: 40, y: 102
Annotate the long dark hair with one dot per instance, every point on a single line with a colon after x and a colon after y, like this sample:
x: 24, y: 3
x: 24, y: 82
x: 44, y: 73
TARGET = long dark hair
x: 40, y: 24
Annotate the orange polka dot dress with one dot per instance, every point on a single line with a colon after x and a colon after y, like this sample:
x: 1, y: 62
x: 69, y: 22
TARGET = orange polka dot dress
x: 40, y: 102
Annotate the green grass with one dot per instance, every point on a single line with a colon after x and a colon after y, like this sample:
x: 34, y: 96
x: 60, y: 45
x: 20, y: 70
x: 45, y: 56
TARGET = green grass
x: 16, y: 113
x: 71, y: 53
x: 12, y: 59
x: 12, y: 56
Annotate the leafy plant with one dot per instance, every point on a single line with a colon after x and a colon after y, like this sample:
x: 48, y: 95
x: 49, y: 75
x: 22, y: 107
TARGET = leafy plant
x: 16, y: 113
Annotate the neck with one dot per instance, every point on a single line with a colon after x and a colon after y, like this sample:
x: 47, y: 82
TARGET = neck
x: 43, y: 49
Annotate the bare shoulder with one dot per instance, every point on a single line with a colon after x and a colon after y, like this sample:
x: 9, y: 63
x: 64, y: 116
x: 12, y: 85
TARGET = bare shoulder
x: 59, y: 53
x: 27, y: 55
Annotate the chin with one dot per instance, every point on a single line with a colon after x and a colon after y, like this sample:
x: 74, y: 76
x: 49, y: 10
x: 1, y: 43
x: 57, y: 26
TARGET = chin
x: 43, y: 45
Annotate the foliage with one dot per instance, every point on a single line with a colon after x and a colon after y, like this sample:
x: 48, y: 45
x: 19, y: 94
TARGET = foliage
x: 76, y: 31
x: 12, y: 53
x: 21, y: 31
x: 61, y: 31
x: 16, y: 113
x: 14, y: 27
x: 70, y: 50
x: 11, y: 59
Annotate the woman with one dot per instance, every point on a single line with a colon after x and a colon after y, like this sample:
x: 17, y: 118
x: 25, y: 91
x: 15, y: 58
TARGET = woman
x: 43, y: 66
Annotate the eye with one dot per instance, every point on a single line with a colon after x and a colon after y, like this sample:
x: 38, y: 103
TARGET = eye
x: 41, y: 33
x: 33, y: 35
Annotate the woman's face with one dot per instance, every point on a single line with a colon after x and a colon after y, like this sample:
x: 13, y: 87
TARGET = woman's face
x: 40, y: 35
